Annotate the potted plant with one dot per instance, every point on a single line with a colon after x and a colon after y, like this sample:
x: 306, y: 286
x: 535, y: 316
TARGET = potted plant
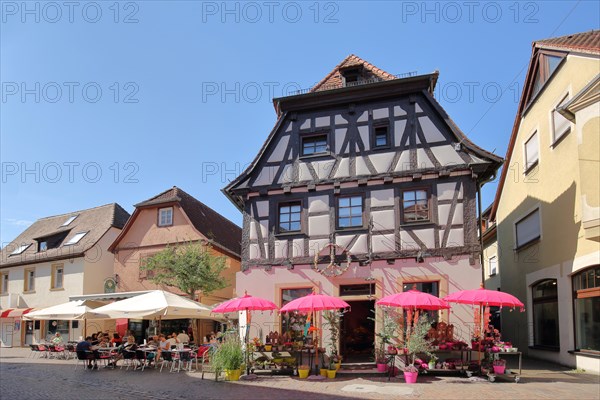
x: 388, y: 329
x: 499, y: 366
x: 303, y: 371
x: 380, y: 358
x: 333, y: 319
x: 417, y: 343
x: 331, y: 371
x: 229, y: 357
x: 432, y: 361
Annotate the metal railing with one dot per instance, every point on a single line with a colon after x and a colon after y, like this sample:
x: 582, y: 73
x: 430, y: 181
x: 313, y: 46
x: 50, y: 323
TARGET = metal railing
x: 352, y: 84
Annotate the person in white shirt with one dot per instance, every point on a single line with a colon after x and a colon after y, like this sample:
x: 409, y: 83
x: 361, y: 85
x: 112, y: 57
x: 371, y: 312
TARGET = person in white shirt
x: 173, y: 339
x: 183, y: 337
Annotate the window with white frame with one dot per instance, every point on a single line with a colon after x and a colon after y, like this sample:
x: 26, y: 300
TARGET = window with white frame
x: 527, y: 229
x: 58, y: 272
x: 560, y: 125
x: 165, y: 216
x: 29, y: 280
x: 4, y: 283
x: 532, y: 152
x: 493, y: 263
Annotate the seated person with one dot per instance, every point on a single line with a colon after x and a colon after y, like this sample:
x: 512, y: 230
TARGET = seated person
x: 103, y: 342
x: 84, y: 348
x: 173, y: 340
x: 95, y: 339
x: 130, y: 345
x: 183, y: 337
x: 57, y: 340
x: 116, y: 339
x: 153, y: 343
x: 163, y: 345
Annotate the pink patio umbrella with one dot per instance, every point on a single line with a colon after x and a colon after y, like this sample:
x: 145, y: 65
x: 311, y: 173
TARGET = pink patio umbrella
x: 413, y: 299
x: 245, y: 303
x: 312, y: 303
x: 484, y: 298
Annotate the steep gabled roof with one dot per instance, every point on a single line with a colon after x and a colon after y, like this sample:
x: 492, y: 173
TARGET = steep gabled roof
x: 94, y: 221
x: 334, y: 80
x: 588, y: 42
x: 585, y: 41
x: 207, y: 221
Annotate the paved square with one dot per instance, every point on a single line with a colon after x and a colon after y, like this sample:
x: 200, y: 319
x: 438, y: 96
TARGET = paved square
x: 28, y: 378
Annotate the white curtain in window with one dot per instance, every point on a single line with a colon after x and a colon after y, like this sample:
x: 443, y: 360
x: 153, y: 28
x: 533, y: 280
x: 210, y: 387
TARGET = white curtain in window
x: 528, y: 228
x: 531, y: 151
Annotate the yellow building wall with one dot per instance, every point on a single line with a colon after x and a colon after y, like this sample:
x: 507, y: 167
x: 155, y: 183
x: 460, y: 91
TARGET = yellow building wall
x: 555, y: 185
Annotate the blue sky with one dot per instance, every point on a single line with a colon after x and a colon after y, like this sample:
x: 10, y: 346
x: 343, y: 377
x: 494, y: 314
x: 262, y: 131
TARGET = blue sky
x: 117, y: 101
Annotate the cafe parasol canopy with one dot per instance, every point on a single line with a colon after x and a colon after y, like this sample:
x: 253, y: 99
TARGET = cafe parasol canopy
x: 483, y: 299
x: 312, y: 303
x: 245, y: 303
x: 157, y: 304
x: 73, y: 310
x: 413, y: 299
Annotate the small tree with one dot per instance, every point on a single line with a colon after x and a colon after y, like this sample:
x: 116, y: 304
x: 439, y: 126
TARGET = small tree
x: 333, y: 319
x: 388, y: 330
x: 190, y: 267
x: 417, y: 342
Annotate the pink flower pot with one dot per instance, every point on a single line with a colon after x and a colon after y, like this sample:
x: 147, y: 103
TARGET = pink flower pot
x: 410, y: 377
x: 381, y: 367
x: 499, y: 369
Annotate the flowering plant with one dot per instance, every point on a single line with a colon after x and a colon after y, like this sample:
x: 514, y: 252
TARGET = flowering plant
x: 499, y: 362
x: 410, y: 368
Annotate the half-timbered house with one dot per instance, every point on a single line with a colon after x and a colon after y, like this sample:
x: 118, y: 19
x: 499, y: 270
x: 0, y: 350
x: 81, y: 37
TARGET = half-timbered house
x: 363, y: 188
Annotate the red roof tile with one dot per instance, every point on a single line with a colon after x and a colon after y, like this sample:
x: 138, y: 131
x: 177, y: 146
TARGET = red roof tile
x: 206, y: 220
x: 333, y: 80
x: 586, y: 41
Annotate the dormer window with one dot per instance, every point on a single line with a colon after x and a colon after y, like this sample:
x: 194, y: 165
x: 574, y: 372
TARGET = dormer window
x: 51, y: 241
x: 352, y: 76
x: 69, y: 220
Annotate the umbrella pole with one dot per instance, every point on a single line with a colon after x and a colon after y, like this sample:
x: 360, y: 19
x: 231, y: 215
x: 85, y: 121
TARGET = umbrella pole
x: 317, y: 368
x: 248, y: 320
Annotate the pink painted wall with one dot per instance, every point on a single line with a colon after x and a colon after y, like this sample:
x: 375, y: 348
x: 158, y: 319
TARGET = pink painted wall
x: 145, y: 238
x: 453, y: 275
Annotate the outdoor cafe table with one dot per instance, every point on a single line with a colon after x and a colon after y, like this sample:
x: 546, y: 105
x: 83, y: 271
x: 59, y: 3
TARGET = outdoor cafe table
x: 179, y: 353
x: 111, y: 352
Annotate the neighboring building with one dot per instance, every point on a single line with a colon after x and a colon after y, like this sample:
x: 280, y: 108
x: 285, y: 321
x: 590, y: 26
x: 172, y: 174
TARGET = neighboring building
x: 547, y: 205
x: 490, y: 251
x: 168, y: 218
x: 53, y: 259
x: 367, y: 166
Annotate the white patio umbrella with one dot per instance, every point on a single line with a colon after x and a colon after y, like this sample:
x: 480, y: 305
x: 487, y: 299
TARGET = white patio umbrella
x: 155, y: 304
x: 73, y: 310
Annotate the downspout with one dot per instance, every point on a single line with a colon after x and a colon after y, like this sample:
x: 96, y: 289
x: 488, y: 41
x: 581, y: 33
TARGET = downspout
x: 479, y: 221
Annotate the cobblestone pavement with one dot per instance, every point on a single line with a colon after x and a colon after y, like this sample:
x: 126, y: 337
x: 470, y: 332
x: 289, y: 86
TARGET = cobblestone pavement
x: 32, y: 378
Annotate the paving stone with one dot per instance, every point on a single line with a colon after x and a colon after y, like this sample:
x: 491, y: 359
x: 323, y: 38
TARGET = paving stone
x: 33, y: 378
